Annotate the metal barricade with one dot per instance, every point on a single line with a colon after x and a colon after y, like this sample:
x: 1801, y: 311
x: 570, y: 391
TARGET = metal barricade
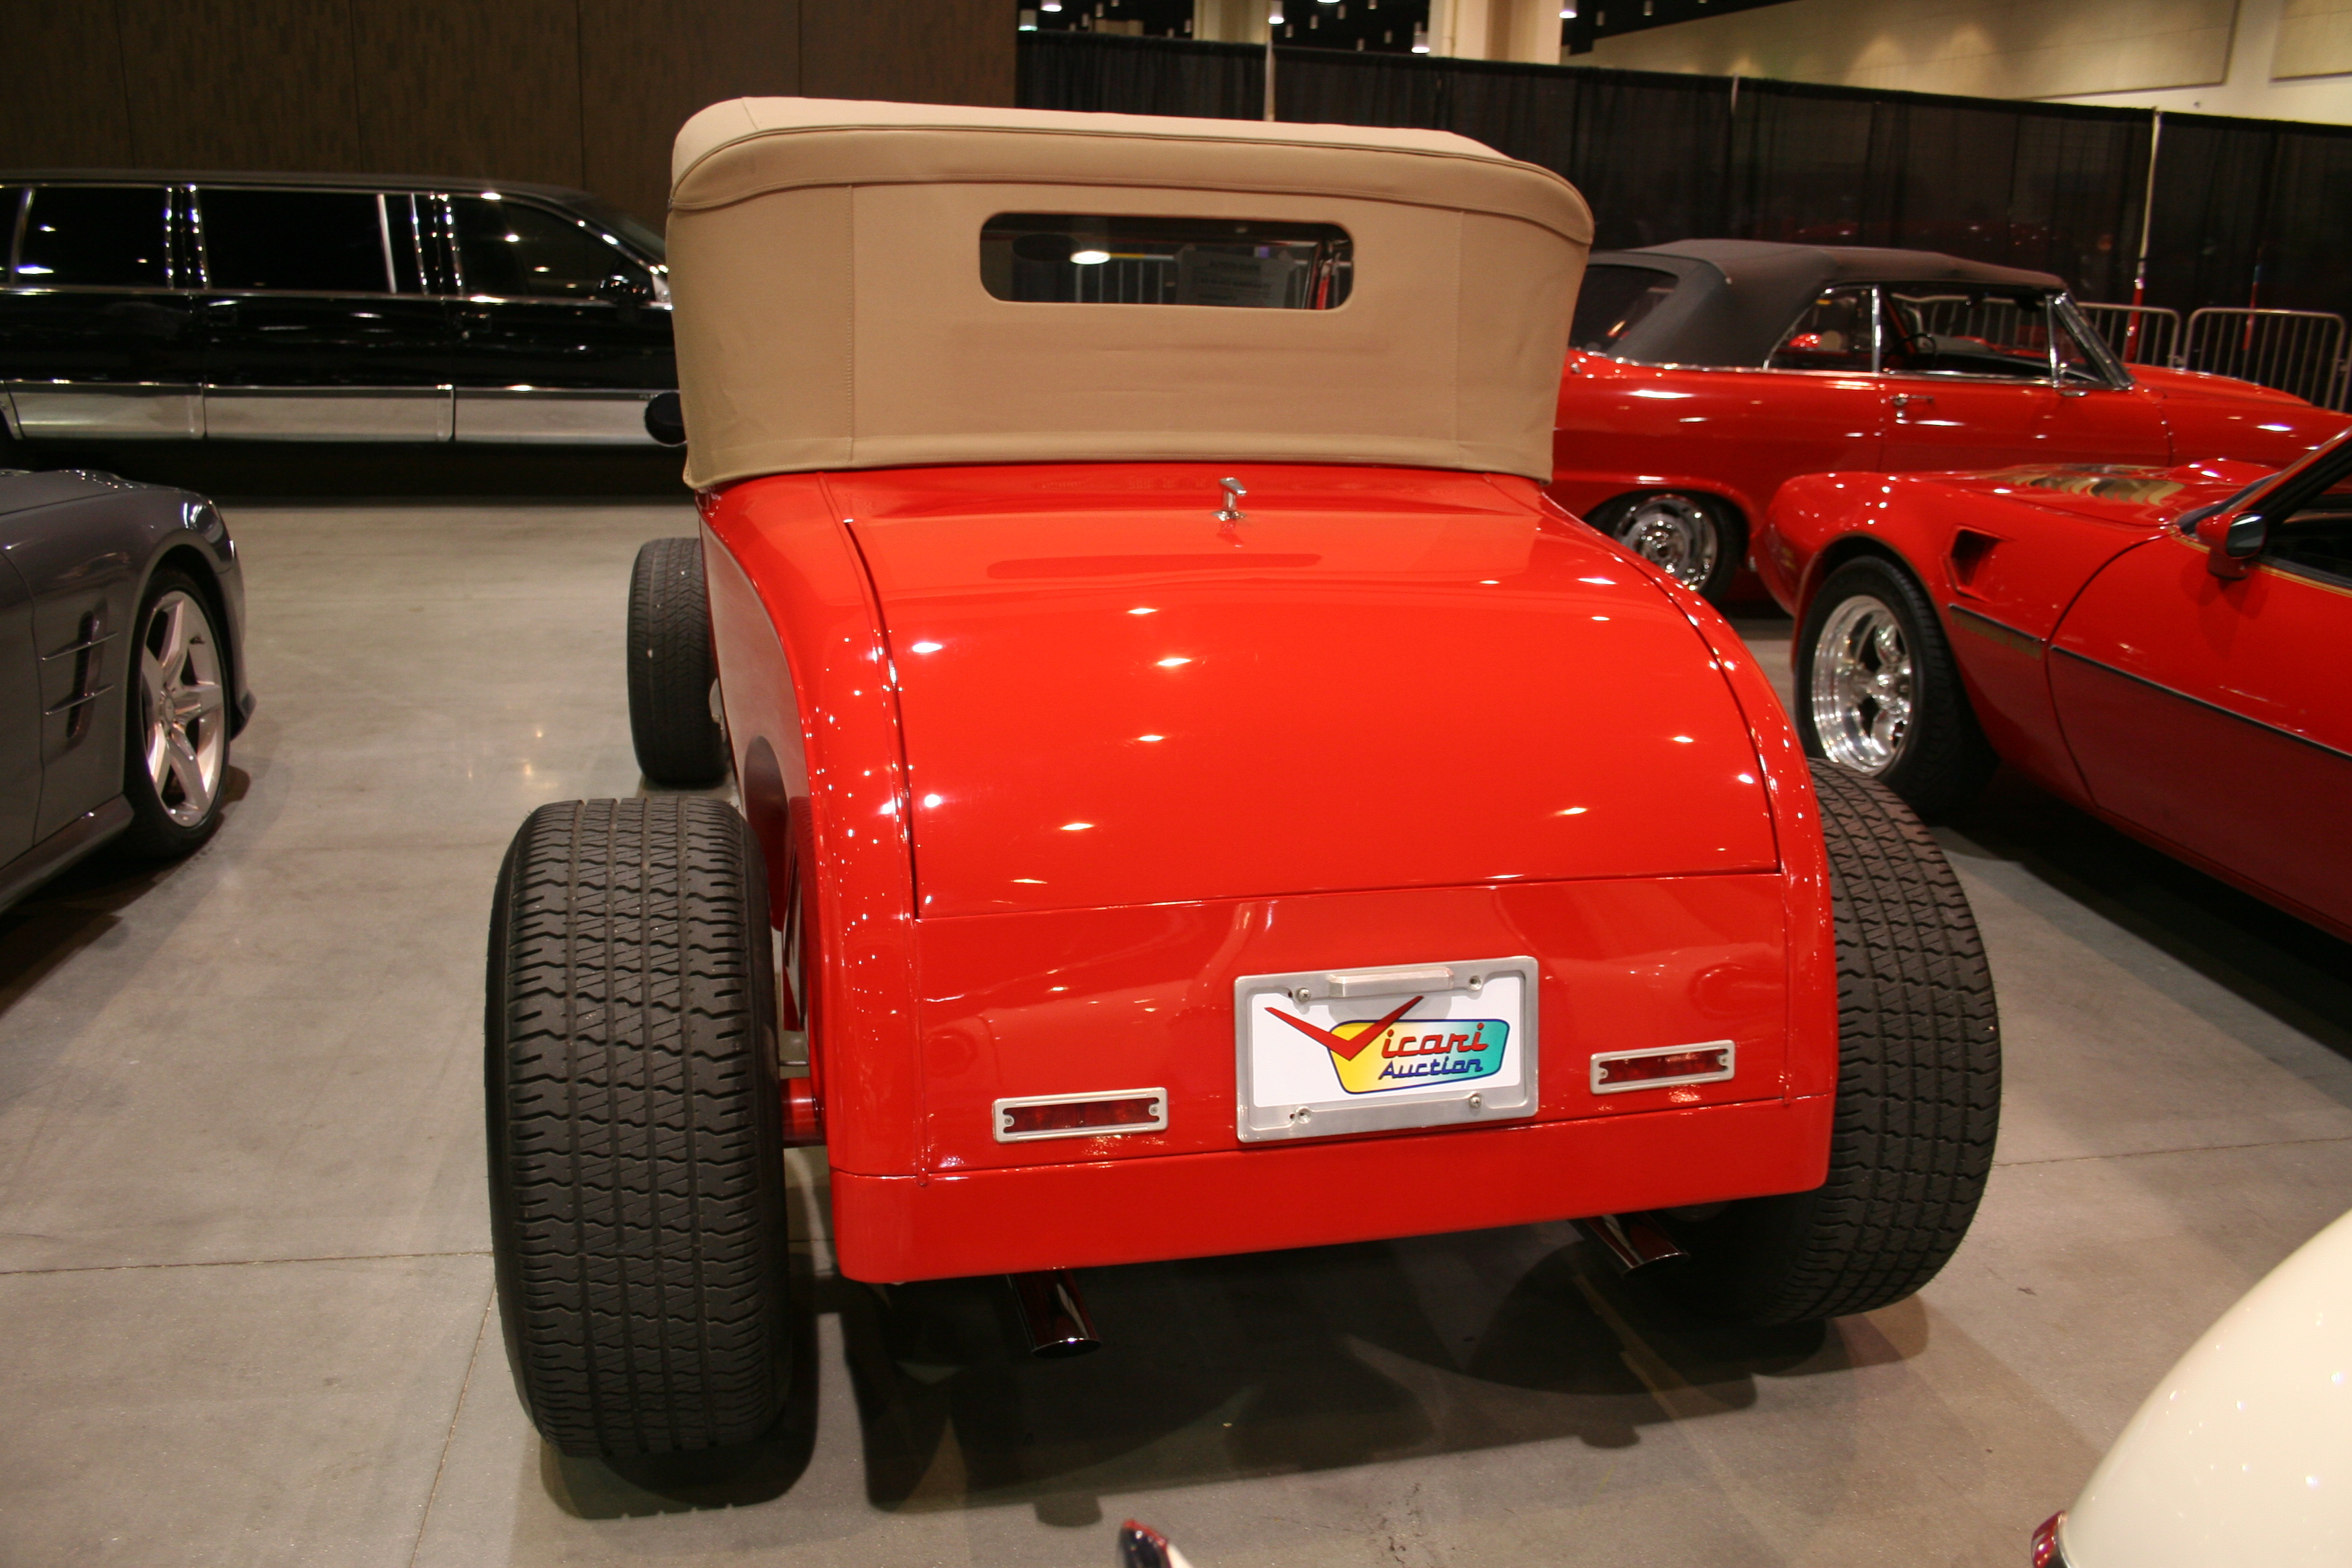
x: 1127, y: 280
x: 2301, y: 352
x: 2156, y: 342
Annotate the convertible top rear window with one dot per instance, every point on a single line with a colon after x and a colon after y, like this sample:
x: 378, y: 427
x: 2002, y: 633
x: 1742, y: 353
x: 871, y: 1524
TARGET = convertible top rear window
x: 1612, y: 302
x: 1075, y: 258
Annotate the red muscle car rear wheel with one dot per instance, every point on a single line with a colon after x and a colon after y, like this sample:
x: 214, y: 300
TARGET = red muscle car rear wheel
x: 636, y: 1140
x: 1697, y: 539
x: 1919, y: 1097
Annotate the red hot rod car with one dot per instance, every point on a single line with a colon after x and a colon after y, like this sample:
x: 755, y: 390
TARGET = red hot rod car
x: 2163, y: 648
x: 1204, y: 798
x: 1702, y: 374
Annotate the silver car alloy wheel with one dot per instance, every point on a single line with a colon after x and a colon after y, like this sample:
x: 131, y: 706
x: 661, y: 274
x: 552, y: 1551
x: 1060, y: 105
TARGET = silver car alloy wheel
x: 1861, y: 685
x: 182, y: 708
x: 1675, y: 533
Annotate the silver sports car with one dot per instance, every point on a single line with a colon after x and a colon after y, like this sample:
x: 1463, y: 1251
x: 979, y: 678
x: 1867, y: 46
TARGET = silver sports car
x: 122, y: 671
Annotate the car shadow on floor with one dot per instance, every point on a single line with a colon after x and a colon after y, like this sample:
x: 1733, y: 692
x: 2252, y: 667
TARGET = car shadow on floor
x: 2288, y: 968
x: 1226, y: 1368
x: 83, y: 904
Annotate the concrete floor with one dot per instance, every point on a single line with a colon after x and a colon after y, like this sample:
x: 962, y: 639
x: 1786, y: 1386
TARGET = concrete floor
x: 247, y: 1300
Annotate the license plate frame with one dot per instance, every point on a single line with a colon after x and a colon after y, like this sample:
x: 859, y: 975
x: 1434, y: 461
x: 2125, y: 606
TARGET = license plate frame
x: 1291, y: 1083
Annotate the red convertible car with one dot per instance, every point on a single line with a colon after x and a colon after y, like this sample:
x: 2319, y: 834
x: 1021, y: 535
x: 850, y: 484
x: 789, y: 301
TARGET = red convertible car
x: 1199, y: 796
x: 2164, y: 648
x: 1703, y: 373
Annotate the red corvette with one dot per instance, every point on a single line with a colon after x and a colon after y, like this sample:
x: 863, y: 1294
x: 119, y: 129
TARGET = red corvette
x: 1203, y: 796
x: 2164, y: 648
x: 1704, y: 374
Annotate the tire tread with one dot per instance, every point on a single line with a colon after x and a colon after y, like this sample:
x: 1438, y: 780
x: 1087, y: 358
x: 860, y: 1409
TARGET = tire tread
x: 637, y: 1160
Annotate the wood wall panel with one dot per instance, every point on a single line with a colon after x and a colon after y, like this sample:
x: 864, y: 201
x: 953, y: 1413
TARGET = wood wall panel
x: 237, y: 84
x: 573, y: 92
x: 916, y: 51
x: 459, y: 87
x: 61, y: 97
x: 646, y: 65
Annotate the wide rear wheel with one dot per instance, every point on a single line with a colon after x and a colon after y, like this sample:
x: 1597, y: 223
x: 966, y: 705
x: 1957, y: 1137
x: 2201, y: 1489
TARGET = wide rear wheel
x: 635, y: 1127
x: 1919, y: 1095
x: 672, y: 720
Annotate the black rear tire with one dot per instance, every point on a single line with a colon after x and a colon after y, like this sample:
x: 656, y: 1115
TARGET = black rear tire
x: 678, y: 740
x: 1918, y: 1096
x: 1942, y: 760
x: 636, y: 1127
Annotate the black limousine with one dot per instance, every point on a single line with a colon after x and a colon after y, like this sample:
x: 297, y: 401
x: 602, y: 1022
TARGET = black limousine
x: 324, y: 308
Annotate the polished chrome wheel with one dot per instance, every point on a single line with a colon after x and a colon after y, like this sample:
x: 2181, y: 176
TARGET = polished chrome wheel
x: 1861, y: 685
x: 1676, y: 533
x: 184, y: 710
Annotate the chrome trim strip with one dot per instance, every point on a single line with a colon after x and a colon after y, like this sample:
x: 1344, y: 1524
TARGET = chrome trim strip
x: 2200, y: 703
x: 384, y: 238
x: 570, y: 416
x: 44, y: 411
x: 16, y: 230
x: 1996, y: 632
x: 416, y: 243
x: 76, y: 700
x: 99, y: 640
x: 327, y: 412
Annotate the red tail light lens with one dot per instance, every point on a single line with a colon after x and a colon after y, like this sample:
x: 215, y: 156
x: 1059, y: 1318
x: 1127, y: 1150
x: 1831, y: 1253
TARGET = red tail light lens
x: 1077, y: 1115
x: 2046, y: 1553
x: 1615, y: 1070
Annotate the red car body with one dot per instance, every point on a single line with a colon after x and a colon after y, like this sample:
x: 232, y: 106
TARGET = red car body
x: 1046, y: 842
x: 1742, y: 434
x: 2103, y: 657
x: 1670, y: 409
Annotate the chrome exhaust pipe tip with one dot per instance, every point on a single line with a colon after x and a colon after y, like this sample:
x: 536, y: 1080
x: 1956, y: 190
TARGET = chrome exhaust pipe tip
x: 1631, y: 1240
x: 1054, y: 1314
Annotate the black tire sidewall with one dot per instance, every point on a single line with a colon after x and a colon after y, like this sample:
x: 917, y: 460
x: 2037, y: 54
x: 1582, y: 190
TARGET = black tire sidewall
x: 1919, y: 1038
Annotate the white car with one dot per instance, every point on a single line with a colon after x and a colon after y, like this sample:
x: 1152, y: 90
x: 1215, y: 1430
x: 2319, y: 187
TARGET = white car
x: 2243, y: 1454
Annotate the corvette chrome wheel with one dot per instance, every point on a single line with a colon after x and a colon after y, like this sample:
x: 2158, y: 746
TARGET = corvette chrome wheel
x: 1861, y: 681
x: 1676, y: 533
x: 184, y: 710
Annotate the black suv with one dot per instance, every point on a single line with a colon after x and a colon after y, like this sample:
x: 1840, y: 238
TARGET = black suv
x: 319, y: 307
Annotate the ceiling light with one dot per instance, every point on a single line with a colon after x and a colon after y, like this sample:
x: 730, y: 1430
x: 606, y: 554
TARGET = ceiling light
x: 1090, y: 257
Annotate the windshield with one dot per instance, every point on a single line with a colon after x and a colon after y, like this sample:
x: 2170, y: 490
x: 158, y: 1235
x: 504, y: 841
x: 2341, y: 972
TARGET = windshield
x: 1612, y: 302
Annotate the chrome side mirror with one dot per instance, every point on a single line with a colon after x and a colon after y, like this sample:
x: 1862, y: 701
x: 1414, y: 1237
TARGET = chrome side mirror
x: 2232, y: 541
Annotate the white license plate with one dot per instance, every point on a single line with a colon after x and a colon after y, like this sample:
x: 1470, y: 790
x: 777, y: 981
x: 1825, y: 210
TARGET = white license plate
x: 1365, y: 1050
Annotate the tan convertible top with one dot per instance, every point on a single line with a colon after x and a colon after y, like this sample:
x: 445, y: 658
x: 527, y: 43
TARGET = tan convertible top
x: 831, y: 311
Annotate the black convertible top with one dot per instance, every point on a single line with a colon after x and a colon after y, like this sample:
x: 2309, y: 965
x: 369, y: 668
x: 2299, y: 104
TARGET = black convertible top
x: 1737, y: 297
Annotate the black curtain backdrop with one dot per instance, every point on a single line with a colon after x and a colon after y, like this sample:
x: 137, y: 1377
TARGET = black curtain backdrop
x: 2247, y: 211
